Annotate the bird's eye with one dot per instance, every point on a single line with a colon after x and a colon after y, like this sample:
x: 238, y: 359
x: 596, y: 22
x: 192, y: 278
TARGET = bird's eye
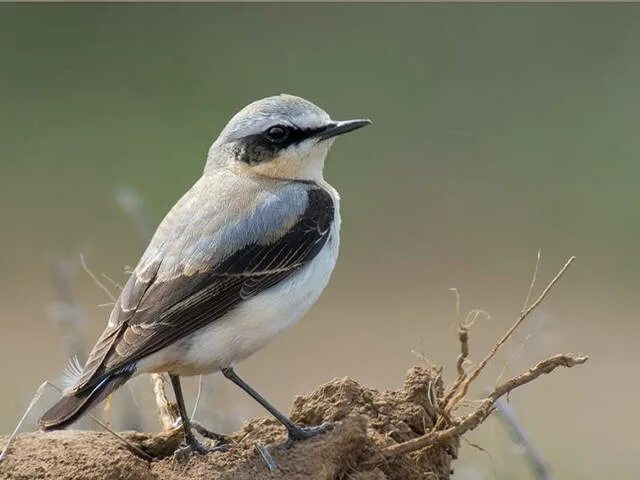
x: 277, y: 134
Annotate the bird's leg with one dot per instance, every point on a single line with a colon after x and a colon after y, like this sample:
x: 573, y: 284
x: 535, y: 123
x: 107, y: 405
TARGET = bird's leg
x: 295, y: 432
x: 189, y: 438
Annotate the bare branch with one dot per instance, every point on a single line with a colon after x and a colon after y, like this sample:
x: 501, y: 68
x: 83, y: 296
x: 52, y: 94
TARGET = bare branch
x: 471, y: 421
x: 463, y: 338
x: 458, y: 393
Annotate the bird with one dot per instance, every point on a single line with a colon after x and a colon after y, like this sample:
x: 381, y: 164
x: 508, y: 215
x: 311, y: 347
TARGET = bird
x: 239, y: 259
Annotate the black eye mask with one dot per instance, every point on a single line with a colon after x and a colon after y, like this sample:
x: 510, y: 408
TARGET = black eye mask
x: 263, y: 147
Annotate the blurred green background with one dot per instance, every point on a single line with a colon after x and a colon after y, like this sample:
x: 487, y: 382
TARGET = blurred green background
x: 499, y: 130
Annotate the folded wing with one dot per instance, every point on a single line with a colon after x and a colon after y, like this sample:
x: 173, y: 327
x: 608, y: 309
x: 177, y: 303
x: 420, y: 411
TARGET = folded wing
x: 153, y: 312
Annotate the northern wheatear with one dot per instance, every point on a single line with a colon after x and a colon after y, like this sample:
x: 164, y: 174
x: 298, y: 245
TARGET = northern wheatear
x: 240, y: 258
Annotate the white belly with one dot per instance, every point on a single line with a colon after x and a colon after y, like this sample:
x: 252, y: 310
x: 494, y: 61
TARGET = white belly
x: 252, y: 324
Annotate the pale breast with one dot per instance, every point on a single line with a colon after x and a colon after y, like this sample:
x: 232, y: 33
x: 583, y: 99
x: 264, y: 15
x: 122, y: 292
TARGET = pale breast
x: 255, y: 322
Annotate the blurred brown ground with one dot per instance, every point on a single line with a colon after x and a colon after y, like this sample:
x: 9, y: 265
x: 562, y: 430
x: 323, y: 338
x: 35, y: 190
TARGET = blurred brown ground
x: 498, y: 130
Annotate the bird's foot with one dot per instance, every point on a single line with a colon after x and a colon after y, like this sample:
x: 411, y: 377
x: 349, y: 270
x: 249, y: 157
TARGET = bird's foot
x: 302, y: 433
x: 192, y: 446
x: 219, y: 439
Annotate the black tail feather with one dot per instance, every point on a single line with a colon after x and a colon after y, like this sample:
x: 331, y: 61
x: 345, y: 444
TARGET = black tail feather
x: 69, y: 409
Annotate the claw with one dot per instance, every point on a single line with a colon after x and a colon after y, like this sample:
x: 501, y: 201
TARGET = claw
x: 194, y: 446
x: 303, y: 433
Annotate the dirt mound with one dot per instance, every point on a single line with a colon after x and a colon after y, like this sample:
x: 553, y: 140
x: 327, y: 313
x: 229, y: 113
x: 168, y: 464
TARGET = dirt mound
x: 365, y: 421
x: 409, y: 434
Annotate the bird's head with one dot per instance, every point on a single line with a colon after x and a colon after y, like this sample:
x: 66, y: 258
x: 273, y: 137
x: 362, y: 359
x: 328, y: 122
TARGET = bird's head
x: 279, y: 137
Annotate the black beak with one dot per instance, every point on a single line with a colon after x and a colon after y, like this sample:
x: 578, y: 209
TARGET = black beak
x: 338, y: 128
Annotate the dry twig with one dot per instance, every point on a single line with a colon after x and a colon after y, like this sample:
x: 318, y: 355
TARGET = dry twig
x: 32, y: 403
x: 132, y: 448
x: 534, y: 277
x: 459, y: 391
x: 475, y: 418
x: 167, y: 411
x: 95, y: 278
